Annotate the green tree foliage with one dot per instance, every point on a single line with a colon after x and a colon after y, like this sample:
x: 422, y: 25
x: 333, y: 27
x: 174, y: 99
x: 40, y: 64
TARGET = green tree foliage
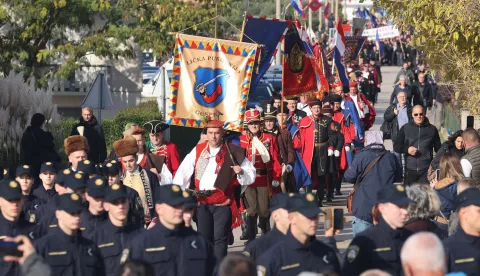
x: 449, y: 34
x: 38, y: 33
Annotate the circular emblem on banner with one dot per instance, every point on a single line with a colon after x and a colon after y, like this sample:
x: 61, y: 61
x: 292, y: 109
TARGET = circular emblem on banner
x: 295, y: 58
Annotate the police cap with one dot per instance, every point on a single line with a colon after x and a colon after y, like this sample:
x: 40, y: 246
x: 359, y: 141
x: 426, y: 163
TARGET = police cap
x: 305, y: 204
x: 23, y: 169
x: 395, y: 194
x: 87, y: 166
x: 48, y: 167
x: 96, y: 186
x: 10, y: 189
x: 280, y: 201
x: 190, y: 200
x: 115, y: 192
x: 75, y: 181
x: 470, y: 196
x: 170, y: 194
x: 70, y: 203
x: 111, y: 167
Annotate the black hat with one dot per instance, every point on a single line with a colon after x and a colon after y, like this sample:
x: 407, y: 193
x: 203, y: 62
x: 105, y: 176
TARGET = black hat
x: 170, y: 194
x: 23, y: 169
x: 335, y: 98
x: 70, y: 203
x: 96, y: 186
x: 111, y: 167
x: 115, y: 192
x: 470, y: 196
x: 75, y: 181
x: 358, y: 73
x: 395, y: 194
x: 48, y: 167
x: 190, y: 201
x: 3, y: 172
x: 87, y: 166
x: 305, y: 204
x: 270, y: 112
x: 280, y: 201
x: 10, y: 189
x: 155, y: 126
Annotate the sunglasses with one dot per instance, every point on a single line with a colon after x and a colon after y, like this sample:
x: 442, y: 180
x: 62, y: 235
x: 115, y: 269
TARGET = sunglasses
x: 417, y: 114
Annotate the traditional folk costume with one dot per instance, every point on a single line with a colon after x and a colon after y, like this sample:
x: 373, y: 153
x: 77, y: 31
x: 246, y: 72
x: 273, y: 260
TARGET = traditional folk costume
x: 286, y: 152
x: 315, y: 140
x: 216, y: 180
x: 168, y: 150
x: 71, y: 144
x: 141, y: 180
x: 262, y: 151
x: 367, y: 115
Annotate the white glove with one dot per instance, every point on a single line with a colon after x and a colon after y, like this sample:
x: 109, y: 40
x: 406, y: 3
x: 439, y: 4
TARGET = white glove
x: 330, y: 152
x: 336, y: 153
x: 275, y: 183
x: 289, y: 168
x: 347, y: 148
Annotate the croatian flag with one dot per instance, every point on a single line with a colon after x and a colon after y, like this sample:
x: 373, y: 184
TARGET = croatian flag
x: 326, y: 10
x: 297, y: 4
x: 338, y: 53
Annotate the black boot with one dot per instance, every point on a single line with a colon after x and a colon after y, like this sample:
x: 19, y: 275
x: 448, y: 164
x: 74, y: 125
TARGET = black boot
x: 244, y: 235
x: 264, y: 223
x: 251, y: 228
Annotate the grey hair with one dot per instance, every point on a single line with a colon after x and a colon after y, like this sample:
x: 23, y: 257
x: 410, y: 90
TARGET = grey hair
x: 402, y: 77
x: 425, y: 201
x: 423, y: 252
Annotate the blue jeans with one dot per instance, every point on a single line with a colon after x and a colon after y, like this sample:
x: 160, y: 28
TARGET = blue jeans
x: 359, y: 225
x: 399, y: 157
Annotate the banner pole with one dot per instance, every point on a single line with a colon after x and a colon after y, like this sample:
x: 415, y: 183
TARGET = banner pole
x: 243, y: 26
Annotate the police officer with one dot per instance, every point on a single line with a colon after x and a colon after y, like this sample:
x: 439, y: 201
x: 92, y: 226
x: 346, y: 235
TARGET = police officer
x: 11, y: 224
x: 25, y: 178
x: 379, y: 246
x: 88, y: 167
x: 169, y: 251
x: 113, y: 235
x: 189, y: 208
x: 278, y: 209
x: 299, y: 250
x: 46, y: 191
x: 111, y: 170
x: 65, y: 249
x: 95, y: 213
x: 463, y: 248
x: 46, y: 213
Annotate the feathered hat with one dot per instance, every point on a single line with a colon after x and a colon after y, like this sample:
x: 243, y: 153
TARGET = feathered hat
x: 75, y: 143
x: 125, y: 147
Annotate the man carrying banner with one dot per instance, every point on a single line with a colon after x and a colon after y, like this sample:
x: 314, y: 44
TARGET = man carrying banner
x: 315, y: 140
x: 158, y: 146
x: 365, y: 110
x: 262, y: 151
x: 285, y: 145
x: 294, y: 115
x: 218, y: 168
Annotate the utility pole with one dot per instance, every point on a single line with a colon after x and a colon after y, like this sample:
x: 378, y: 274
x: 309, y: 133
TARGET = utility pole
x: 278, y: 58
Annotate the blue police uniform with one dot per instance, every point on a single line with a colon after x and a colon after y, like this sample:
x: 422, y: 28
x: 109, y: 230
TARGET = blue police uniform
x: 44, y: 195
x: 10, y: 190
x: 70, y: 254
x: 379, y: 247
x: 30, y: 204
x: 90, y: 222
x: 462, y: 249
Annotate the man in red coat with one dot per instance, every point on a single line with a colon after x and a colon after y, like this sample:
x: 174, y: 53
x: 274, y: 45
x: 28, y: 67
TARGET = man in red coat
x: 315, y: 139
x: 262, y: 152
x: 160, y: 147
x: 365, y: 110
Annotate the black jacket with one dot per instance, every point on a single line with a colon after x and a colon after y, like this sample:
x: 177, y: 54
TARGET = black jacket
x: 37, y: 147
x: 390, y: 117
x: 447, y: 146
x: 95, y: 137
x: 424, y: 137
x: 422, y: 94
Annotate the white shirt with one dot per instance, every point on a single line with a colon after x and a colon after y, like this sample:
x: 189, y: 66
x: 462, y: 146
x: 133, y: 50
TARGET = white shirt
x: 187, y: 168
x: 466, y: 167
x: 304, y: 107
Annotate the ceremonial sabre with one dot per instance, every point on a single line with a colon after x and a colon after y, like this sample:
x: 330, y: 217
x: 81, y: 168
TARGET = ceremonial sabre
x: 210, y: 81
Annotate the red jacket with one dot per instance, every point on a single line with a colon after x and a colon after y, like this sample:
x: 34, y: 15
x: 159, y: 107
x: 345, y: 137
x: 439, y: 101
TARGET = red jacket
x: 349, y: 135
x: 172, y: 159
x: 266, y: 172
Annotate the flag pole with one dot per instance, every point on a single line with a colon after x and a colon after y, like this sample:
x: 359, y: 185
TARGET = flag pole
x: 243, y: 26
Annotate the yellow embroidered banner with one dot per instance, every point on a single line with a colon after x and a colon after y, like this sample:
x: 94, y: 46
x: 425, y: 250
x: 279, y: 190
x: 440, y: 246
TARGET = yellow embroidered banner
x: 211, y: 78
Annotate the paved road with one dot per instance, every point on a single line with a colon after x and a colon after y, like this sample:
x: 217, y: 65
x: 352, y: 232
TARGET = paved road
x: 345, y: 237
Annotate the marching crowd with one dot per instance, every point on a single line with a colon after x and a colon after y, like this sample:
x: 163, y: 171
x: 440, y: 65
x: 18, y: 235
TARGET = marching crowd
x: 130, y: 212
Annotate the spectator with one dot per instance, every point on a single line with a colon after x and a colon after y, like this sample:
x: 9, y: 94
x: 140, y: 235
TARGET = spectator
x: 401, y: 86
x: 425, y: 205
x: 454, y: 144
x: 276, y: 100
x: 450, y: 173
x: 30, y: 262
x: 237, y: 265
x: 423, y: 254
x: 37, y: 145
x: 90, y: 129
x: 417, y: 140
x: 407, y: 72
x: 471, y: 160
x: 463, y: 248
x: 385, y: 171
x: 422, y: 92
x: 137, y: 268
x: 453, y: 222
x: 398, y: 115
